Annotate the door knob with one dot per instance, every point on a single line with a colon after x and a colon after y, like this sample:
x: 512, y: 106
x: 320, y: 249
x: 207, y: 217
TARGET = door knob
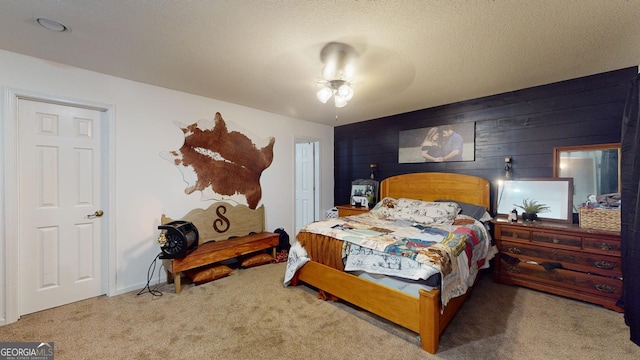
x: 96, y: 214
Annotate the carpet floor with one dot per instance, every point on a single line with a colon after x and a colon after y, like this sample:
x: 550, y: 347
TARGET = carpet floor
x: 250, y: 315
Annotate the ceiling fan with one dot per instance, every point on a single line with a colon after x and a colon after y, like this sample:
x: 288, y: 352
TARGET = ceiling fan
x: 337, y: 73
x: 373, y: 77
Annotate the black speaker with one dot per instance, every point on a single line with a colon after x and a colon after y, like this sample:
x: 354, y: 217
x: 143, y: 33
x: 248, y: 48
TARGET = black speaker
x: 181, y: 239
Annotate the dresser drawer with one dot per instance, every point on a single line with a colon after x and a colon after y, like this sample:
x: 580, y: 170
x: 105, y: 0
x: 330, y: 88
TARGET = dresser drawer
x: 561, y: 278
x: 557, y: 239
x: 514, y: 233
x: 602, y: 246
x: 572, y: 260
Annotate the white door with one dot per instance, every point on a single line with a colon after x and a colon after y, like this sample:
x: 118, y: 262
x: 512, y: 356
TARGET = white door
x: 305, y: 184
x: 59, y: 192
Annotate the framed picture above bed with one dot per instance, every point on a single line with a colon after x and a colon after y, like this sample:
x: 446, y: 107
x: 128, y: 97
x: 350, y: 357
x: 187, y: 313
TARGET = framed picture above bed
x: 554, y: 193
x: 442, y: 143
x: 364, y: 192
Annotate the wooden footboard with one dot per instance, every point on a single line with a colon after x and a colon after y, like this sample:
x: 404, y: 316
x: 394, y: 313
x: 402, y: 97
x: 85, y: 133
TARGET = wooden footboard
x: 421, y: 315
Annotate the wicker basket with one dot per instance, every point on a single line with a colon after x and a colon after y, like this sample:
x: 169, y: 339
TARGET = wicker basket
x: 600, y: 219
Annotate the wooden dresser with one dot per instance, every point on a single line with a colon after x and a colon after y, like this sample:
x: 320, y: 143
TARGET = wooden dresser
x: 346, y: 210
x: 559, y: 258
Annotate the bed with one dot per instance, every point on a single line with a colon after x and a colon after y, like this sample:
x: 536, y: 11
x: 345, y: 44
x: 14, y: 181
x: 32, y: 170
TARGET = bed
x: 424, y: 313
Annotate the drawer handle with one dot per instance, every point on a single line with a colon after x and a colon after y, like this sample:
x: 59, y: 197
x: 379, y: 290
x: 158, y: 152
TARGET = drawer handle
x: 605, y: 288
x: 555, y: 241
x: 514, y: 269
x: 604, y: 265
x: 514, y: 250
x: 604, y: 246
x: 514, y: 235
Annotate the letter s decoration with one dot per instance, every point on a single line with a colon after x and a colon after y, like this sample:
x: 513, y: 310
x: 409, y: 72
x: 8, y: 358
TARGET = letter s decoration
x: 221, y: 224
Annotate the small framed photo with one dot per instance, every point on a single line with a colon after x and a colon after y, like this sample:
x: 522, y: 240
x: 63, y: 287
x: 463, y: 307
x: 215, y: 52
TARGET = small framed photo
x: 364, y: 192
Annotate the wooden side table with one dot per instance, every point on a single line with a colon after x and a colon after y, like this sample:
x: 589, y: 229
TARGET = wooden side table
x: 346, y: 210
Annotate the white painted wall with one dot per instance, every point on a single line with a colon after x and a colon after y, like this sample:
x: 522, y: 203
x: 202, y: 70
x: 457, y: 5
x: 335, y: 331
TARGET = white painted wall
x: 147, y: 185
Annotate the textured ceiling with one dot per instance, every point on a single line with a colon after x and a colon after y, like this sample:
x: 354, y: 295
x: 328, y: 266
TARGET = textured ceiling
x: 413, y: 54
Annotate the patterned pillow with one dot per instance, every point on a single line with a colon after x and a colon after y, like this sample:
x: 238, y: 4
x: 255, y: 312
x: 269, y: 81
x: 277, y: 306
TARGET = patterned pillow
x: 475, y: 211
x: 385, y: 208
x: 427, y: 212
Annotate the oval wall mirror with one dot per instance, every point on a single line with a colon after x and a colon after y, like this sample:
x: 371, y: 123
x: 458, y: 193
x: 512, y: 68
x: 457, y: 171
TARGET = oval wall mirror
x: 595, y: 169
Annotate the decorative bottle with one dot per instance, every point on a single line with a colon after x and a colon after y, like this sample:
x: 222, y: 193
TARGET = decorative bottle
x: 514, y: 215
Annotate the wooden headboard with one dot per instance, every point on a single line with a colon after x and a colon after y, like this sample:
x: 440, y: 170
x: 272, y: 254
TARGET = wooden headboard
x: 433, y: 186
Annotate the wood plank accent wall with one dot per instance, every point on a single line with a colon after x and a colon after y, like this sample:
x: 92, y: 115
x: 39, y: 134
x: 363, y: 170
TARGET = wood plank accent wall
x: 525, y: 124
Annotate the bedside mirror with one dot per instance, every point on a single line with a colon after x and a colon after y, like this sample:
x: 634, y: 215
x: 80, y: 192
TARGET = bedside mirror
x: 595, y: 169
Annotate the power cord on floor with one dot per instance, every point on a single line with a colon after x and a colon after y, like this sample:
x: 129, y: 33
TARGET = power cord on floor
x: 147, y: 288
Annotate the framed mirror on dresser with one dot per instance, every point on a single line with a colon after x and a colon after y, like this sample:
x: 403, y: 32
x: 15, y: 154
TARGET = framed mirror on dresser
x: 595, y: 169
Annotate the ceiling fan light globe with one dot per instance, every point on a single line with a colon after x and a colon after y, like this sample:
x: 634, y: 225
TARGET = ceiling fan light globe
x: 340, y: 101
x: 324, y: 95
x: 346, y: 92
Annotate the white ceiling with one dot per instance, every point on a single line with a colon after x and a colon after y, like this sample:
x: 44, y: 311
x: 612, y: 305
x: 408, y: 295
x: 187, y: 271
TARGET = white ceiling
x: 265, y: 54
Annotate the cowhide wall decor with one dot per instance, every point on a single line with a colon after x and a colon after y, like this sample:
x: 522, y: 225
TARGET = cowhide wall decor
x: 222, y: 164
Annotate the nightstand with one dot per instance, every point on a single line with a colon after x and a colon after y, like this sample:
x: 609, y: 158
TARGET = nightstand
x: 346, y: 210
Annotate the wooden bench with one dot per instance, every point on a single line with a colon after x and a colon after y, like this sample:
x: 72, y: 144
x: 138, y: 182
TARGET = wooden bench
x: 225, y: 232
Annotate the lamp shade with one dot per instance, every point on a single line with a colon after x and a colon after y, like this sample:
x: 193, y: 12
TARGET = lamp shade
x: 324, y: 94
x: 346, y: 92
x: 340, y: 101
